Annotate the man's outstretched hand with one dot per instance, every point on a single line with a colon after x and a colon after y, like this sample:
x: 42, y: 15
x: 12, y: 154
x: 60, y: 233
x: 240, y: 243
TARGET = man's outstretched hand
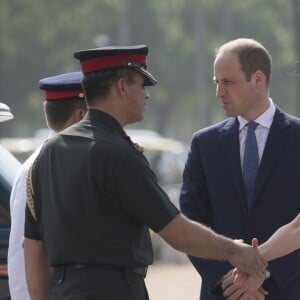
x: 248, y: 260
x: 240, y: 276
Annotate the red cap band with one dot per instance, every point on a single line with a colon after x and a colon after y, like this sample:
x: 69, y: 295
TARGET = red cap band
x: 113, y: 61
x: 51, y: 95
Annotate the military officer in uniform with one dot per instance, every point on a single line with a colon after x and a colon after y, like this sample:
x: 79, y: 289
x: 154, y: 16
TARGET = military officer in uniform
x: 64, y: 105
x: 93, y: 196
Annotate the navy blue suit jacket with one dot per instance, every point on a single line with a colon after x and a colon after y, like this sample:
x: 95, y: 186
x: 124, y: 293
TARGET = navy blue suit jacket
x: 213, y: 193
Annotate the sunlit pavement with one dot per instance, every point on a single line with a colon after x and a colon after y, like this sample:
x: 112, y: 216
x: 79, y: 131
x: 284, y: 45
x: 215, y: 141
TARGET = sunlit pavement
x: 173, y: 282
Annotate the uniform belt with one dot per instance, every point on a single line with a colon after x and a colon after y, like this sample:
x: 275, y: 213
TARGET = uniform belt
x: 138, y: 270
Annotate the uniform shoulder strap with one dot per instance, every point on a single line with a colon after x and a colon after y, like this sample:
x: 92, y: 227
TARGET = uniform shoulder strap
x: 30, y: 192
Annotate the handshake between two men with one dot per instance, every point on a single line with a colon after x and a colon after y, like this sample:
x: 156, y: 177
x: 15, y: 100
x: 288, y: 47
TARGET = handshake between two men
x: 200, y: 241
x: 239, y: 285
x: 250, y: 261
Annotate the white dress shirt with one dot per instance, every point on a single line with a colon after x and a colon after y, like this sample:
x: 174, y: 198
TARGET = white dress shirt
x: 16, y: 269
x: 261, y: 132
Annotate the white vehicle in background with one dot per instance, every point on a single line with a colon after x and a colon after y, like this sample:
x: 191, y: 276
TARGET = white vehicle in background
x: 166, y: 155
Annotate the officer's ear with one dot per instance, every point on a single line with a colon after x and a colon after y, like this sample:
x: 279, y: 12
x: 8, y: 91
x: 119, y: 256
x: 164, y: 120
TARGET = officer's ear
x: 81, y: 113
x: 121, y: 85
x: 78, y: 114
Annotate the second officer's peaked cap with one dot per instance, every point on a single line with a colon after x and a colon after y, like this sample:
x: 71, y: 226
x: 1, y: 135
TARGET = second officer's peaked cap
x: 65, y: 86
x: 114, y: 57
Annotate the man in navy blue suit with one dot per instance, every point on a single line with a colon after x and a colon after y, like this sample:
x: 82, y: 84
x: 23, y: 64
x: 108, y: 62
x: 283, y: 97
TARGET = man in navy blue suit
x: 213, y: 190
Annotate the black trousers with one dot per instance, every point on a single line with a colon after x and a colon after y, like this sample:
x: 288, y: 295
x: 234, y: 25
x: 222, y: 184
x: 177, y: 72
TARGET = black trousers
x: 94, y: 283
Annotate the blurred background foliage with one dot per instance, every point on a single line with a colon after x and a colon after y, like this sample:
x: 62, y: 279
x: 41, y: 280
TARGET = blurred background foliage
x: 38, y: 39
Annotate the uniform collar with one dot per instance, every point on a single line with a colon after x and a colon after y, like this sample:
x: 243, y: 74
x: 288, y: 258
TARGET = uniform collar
x: 99, y: 116
x: 108, y: 120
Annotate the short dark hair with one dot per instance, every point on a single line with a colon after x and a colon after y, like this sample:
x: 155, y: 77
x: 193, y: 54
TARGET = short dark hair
x: 252, y: 56
x: 97, y: 85
x: 59, y: 112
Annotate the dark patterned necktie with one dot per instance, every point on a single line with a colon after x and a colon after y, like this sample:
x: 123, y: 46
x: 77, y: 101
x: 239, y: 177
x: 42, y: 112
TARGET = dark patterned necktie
x: 250, y: 163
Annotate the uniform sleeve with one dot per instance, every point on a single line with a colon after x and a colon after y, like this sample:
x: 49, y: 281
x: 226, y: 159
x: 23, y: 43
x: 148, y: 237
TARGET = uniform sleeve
x: 140, y: 194
x: 31, y: 227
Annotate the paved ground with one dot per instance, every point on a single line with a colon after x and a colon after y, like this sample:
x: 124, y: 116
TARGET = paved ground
x: 173, y: 282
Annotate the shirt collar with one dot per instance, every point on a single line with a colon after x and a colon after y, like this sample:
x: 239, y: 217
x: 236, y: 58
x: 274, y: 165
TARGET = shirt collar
x: 265, y: 119
x: 52, y: 133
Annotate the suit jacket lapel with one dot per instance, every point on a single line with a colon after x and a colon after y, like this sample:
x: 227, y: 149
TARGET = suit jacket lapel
x: 231, y: 146
x: 275, y: 144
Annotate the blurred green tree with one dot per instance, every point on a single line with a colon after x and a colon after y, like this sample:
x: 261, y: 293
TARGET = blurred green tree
x: 38, y: 39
